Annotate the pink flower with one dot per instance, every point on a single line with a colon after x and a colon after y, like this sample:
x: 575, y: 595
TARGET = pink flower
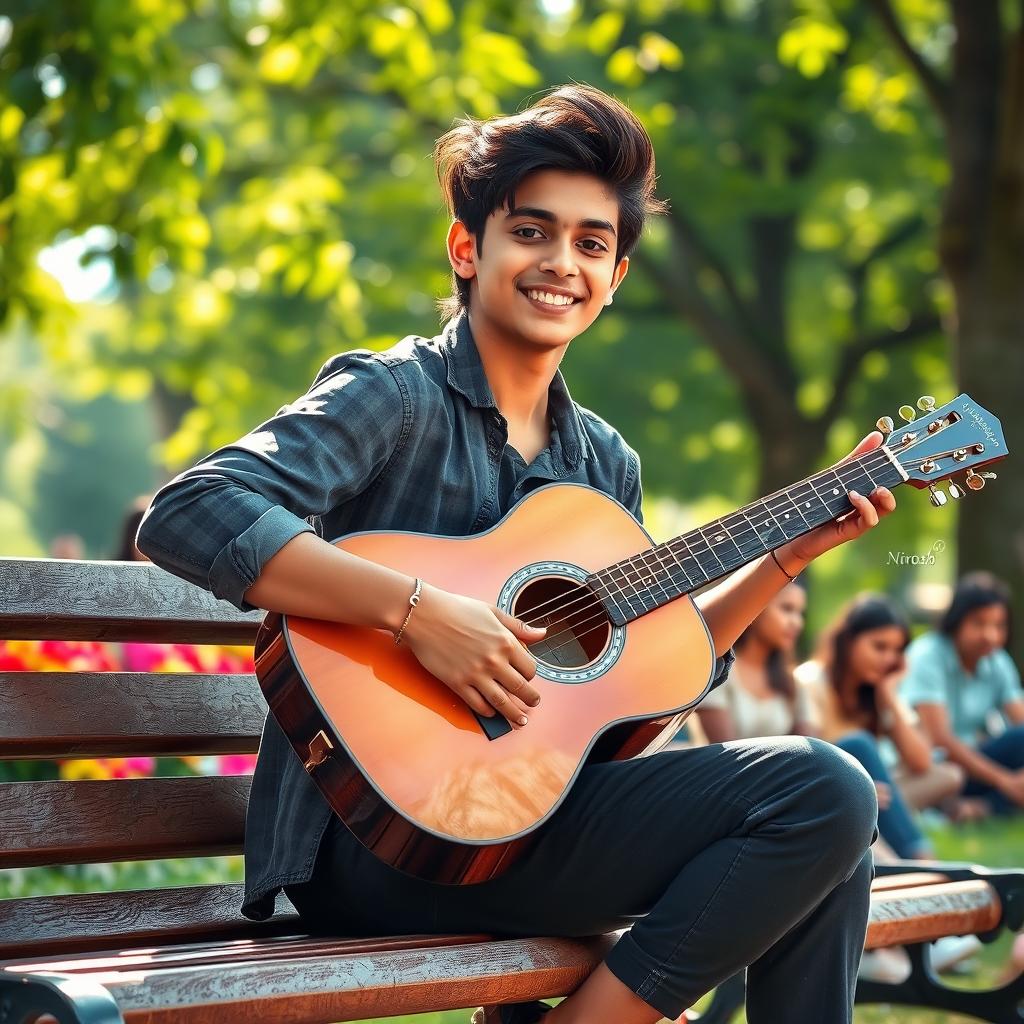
x: 131, y: 767
x: 236, y: 764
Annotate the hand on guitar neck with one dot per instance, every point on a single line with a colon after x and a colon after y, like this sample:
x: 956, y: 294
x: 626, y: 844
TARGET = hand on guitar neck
x: 868, y: 509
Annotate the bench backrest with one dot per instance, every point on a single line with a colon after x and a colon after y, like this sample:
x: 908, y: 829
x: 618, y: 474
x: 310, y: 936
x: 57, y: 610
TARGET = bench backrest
x: 70, y: 714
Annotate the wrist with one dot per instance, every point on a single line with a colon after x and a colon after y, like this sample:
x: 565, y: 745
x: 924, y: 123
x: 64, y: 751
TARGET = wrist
x: 398, y: 606
x: 1004, y: 782
x: 791, y: 563
x: 887, y: 693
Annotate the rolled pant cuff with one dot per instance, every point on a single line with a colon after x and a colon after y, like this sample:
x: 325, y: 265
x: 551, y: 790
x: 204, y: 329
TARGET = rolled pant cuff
x: 639, y: 973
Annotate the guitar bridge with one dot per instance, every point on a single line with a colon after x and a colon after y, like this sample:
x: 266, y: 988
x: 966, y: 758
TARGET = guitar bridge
x: 320, y: 748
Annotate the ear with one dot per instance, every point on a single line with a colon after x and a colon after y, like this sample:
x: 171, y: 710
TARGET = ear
x: 617, y: 276
x: 461, y: 250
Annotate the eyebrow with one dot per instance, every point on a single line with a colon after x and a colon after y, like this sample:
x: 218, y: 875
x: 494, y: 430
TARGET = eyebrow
x: 533, y: 211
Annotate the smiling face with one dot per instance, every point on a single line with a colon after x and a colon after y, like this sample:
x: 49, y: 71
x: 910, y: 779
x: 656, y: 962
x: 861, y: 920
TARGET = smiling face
x: 548, y: 264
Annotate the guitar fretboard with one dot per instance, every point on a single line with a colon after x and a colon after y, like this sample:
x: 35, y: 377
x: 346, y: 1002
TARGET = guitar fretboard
x: 653, y: 577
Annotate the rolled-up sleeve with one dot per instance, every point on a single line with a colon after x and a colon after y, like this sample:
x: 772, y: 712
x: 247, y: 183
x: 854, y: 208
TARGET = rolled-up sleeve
x: 218, y: 523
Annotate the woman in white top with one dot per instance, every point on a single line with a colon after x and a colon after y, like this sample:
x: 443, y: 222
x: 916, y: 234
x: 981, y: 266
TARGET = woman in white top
x: 853, y: 689
x: 760, y: 697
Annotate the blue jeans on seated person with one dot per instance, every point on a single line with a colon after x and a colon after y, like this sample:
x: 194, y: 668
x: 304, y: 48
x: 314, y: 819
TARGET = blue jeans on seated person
x: 1008, y: 750
x: 895, y: 823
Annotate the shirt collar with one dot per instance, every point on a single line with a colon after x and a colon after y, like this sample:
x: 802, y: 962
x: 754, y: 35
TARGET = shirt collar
x: 466, y: 375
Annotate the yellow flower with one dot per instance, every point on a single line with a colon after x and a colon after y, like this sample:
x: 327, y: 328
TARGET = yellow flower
x: 74, y: 771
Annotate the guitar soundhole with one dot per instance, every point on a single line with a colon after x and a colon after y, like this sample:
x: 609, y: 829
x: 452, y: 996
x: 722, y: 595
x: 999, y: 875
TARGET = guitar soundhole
x: 578, y: 628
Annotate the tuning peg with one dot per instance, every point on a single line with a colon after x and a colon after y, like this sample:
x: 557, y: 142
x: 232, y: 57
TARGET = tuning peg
x: 956, y: 491
x: 937, y: 498
x: 926, y: 403
x: 975, y: 481
x: 988, y: 475
x: 907, y: 412
x: 885, y: 425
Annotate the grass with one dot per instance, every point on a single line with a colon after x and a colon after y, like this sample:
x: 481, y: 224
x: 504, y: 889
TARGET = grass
x: 993, y: 843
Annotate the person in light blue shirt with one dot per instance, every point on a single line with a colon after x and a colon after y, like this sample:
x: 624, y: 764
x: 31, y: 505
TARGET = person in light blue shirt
x: 967, y: 691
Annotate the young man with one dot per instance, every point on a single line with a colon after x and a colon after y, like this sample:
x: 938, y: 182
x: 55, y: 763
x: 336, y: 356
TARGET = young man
x: 752, y: 853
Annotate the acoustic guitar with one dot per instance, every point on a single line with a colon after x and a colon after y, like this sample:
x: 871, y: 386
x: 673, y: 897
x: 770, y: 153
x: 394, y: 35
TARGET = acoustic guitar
x: 441, y: 793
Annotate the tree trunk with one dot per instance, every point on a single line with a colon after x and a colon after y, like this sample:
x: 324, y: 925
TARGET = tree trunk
x: 982, y: 249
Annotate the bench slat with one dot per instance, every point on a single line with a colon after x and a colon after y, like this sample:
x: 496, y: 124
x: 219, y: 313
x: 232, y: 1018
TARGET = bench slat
x: 64, y: 599
x: 290, y: 946
x: 927, y: 912
x: 313, y: 981
x: 356, y: 986
x: 107, y: 714
x: 120, y: 819
x: 47, y: 926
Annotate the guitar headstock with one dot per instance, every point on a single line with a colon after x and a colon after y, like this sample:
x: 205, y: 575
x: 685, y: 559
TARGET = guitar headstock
x: 958, y: 437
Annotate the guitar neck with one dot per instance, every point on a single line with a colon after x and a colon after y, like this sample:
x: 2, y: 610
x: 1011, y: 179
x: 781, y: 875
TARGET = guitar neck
x: 654, y: 577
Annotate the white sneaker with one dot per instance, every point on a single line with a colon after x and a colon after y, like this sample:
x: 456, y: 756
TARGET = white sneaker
x: 890, y: 965
x: 951, y: 949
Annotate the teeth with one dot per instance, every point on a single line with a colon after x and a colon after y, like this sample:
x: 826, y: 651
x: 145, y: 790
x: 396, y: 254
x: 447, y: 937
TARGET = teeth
x: 550, y: 298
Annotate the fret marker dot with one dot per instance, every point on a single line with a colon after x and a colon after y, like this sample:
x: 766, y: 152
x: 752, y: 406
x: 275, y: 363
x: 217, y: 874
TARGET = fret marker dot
x: 807, y: 504
x: 787, y: 515
x: 835, y: 490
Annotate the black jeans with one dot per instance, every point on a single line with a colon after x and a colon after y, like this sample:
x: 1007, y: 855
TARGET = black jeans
x: 715, y: 858
x: 1006, y: 749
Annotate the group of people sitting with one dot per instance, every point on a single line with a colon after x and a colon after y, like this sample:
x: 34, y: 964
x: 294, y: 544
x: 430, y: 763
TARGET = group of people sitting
x: 937, y: 721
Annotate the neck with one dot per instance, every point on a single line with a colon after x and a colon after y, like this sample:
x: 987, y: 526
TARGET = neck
x: 518, y: 373
x: 970, y: 663
x: 754, y: 651
x: 660, y: 574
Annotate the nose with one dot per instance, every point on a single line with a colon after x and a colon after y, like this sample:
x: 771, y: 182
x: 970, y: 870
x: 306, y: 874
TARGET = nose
x: 560, y: 259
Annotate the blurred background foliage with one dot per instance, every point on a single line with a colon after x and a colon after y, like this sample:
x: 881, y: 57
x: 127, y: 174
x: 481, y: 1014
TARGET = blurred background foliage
x: 201, y: 201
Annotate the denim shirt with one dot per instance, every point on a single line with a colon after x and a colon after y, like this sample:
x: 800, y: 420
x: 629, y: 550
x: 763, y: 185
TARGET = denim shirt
x: 406, y: 439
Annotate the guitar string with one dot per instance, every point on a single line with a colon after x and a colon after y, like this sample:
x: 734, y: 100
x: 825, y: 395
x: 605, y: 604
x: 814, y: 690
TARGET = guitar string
x: 600, y: 620
x: 872, y: 460
x: 601, y: 617
x: 689, y: 552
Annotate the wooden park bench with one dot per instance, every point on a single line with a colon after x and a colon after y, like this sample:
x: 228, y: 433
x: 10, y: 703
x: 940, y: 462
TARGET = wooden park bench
x: 186, y: 954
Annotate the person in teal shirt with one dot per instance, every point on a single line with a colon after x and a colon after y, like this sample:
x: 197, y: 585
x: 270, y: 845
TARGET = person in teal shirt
x: 962, y: 682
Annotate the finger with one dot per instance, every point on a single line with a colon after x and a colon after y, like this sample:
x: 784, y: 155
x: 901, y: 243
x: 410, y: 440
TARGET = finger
x: 519, y: 628
x: 525, y: 667
x: 868, y: 443
x: 883, y: 499
x: 522, y: 690
x: 499, y: 699
x: 476, y: 702
x: 867, y: 511
x: 518, y: 688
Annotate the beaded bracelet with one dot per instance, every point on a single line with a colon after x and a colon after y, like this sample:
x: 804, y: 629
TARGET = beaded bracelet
x: 413, y: 601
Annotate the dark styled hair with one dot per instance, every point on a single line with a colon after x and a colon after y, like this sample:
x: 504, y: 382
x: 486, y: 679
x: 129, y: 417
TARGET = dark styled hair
x: 864, y: 613
x: 573, y: 128
x: 779, y: 666
x: 975, y: 590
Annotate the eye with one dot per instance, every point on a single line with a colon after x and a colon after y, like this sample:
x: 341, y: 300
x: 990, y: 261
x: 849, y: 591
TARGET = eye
x: 528, y: 228
x: 600, y: 247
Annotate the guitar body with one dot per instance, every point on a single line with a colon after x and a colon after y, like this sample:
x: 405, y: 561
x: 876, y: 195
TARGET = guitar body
x: 407, y: 765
